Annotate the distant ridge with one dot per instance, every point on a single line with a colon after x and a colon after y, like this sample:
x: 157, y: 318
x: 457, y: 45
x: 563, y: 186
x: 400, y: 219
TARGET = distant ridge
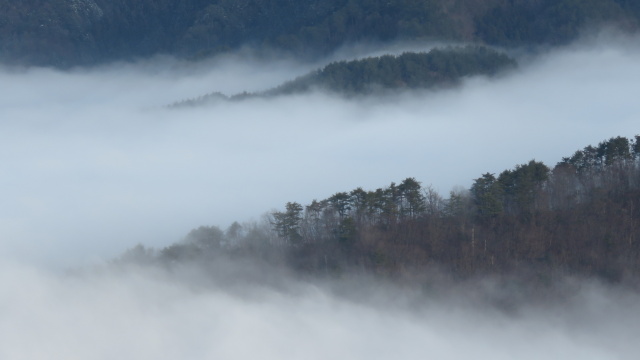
x: 440, y: 67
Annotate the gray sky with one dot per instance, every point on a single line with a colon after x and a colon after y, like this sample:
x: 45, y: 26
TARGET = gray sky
x: 93, y: 164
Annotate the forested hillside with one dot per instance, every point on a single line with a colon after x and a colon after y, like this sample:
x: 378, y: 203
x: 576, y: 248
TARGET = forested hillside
x: 580, y: 217
x: 83, y: 32
x: 440, y: 67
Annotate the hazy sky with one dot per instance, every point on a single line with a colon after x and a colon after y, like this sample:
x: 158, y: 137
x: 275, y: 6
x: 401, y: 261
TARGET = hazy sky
x: 92, y: 163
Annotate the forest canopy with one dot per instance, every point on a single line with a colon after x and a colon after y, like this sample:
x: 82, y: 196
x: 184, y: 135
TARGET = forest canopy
x: 440, y: 67
x: 66, y: 33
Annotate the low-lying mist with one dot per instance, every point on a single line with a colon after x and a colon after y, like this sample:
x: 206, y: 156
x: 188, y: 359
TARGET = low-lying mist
x: 93, y: 162
x: 136, y: 313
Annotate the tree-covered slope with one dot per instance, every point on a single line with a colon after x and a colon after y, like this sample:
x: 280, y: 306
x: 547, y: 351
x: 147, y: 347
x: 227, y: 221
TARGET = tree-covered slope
x: 72, y: 32
x: 439, y: 67
x: 579, y: 218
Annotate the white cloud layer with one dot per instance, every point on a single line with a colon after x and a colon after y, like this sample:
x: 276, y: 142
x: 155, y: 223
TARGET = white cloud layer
x: 137, y: 315
x: 92, y: 163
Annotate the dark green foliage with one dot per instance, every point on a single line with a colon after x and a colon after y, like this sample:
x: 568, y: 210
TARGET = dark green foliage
x: 521, y: 185
x: 341, y: 203
x: 615, y: 150
x: 438, y: 67
x: 412, y: 200
x: 586, y: 160
x: 287, y: 224
x: 519, y: 22
x: 376, y: 75
x: 487, y: 193
x: 630, y: 6
x: 55, y: 32
x: 78, y: 32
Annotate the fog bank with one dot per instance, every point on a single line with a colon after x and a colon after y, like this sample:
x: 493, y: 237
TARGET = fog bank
x: 143, y: 315
x: 93, y: 163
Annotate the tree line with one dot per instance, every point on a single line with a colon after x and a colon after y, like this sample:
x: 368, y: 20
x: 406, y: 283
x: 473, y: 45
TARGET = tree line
x: 580, y: 217
x: 440, y: 67
x: 410, y: 70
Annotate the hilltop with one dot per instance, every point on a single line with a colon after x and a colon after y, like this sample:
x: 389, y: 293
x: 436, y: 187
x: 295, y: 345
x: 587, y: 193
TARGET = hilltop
x: 440, y: 67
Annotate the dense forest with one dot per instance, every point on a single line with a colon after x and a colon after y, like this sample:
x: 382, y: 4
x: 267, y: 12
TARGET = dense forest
x: 65, y: 33
x: 440, y: 67
x: 580, y: 217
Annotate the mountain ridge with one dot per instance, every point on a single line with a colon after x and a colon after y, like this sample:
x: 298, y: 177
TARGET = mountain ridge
x: 374, y: 75
x: 67, y: 33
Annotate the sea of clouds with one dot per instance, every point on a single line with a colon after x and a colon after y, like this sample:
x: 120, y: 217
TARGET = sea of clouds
x: 140, y: 314
x: 92, y: 162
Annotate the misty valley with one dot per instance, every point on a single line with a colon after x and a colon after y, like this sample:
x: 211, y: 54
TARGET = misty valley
x: 325, y: 179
